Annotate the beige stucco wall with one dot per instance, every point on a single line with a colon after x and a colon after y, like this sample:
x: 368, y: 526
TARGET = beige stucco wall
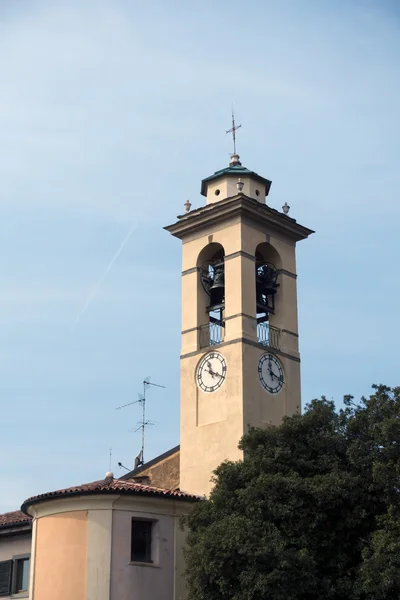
x: 60, y: 557
x: 147, y: 582
x: 213, y: 423
x: 227, y: 188
x: 180, y: 587
x: 163, y: 578
x: 99, y: 553
x: 15, y: 545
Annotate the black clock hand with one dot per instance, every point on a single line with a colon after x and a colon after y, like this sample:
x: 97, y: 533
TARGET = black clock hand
x: 213, y: 373
x: 270, y: 368
x: 278, y: 377
x: 270, y: 371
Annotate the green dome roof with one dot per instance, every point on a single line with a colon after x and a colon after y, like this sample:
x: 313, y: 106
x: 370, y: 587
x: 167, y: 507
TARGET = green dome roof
x: 235, y: 170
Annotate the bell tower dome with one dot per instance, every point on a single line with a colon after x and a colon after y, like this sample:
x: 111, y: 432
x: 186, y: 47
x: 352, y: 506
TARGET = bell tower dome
x: 227, y: 182
x: 240, y: 362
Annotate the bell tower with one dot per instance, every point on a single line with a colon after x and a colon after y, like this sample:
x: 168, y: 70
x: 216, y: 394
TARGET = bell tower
x: 240, y: 362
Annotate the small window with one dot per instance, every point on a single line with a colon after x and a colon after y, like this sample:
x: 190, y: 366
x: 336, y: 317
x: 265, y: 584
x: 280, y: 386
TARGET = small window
x: 217, y: 192
x: 142, y: 533
x: 5, y: 577
x: 257, y: 192
x: 14, y: 575
x: 21, y: 582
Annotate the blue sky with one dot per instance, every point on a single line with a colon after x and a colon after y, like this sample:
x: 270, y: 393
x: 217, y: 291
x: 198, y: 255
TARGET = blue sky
x: 111, y: 112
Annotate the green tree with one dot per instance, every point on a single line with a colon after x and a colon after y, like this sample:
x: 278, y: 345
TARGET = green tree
x: 312, y: 511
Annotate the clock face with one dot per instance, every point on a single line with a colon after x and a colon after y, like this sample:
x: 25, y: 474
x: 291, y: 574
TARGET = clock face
x: 211, y: 372
x: 270, y: 373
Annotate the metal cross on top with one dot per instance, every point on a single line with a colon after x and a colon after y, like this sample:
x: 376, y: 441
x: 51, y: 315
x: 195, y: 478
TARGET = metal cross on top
x: 233, y: 130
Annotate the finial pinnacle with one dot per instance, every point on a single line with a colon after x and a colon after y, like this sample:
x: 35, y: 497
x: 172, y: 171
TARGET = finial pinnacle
x: 233, y: 130
x: 235, y: 160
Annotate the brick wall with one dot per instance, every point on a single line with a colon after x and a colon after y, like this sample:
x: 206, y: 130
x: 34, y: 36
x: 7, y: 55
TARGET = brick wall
x: 163, y: 474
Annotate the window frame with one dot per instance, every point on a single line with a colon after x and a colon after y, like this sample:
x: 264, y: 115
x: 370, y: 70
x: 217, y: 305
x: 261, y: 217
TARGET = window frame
x: 11, y: 574
x: 16, y: 559
x: 149, y: 559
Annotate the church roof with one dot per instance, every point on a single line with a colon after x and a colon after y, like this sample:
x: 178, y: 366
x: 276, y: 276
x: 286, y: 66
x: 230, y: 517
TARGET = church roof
x: 150, y: 463
x: 11, y: 519
x: 109, y: 485
x: 235, y: 170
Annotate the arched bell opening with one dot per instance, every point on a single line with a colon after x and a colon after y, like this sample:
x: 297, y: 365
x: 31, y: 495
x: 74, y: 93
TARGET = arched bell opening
x: 211, y: 267
x: 268, y: 265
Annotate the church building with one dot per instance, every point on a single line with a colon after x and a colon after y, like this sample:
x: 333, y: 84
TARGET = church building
x: 117, y: 539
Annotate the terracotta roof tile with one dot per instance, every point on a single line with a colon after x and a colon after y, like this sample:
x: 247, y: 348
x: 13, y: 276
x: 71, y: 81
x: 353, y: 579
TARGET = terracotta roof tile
x: 14, y: 518
x: 109, y: 486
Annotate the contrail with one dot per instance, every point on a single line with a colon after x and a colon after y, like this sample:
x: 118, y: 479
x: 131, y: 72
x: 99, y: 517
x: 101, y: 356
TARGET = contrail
x: 102, y: 278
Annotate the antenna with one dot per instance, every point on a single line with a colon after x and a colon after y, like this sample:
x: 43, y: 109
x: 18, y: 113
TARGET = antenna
x: 144, y: 423
x: 139, y: 460
x: 121, y: 466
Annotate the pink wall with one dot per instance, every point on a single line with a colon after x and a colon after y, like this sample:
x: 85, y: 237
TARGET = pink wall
x: 60, y: 557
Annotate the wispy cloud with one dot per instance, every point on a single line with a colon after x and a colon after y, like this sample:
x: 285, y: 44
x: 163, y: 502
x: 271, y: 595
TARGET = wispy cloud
x: 102, y: 278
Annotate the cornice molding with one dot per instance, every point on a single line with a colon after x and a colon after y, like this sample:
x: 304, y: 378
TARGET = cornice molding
x: 240, y: 315
x: 240, y: 253
x: 242, y: 341
x: 190, y: 271
x: 237, y: 206
x: 290, y: 332
x: 228, y: 318
x: 288, y: 273
x: 15, y: 529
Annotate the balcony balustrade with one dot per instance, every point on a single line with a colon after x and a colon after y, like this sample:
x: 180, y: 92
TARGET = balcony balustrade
x: 267, y: 335
x: 211, y: 334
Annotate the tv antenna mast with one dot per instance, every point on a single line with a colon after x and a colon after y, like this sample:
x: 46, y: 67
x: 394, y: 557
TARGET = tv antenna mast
x: 143, y: 423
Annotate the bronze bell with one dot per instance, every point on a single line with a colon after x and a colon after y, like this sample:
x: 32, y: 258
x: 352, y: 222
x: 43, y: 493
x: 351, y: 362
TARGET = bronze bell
x: 217, y: 289
x: 265, y: 284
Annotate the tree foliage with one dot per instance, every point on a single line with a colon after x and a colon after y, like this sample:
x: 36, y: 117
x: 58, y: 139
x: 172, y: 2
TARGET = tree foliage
x: 312, y: 511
